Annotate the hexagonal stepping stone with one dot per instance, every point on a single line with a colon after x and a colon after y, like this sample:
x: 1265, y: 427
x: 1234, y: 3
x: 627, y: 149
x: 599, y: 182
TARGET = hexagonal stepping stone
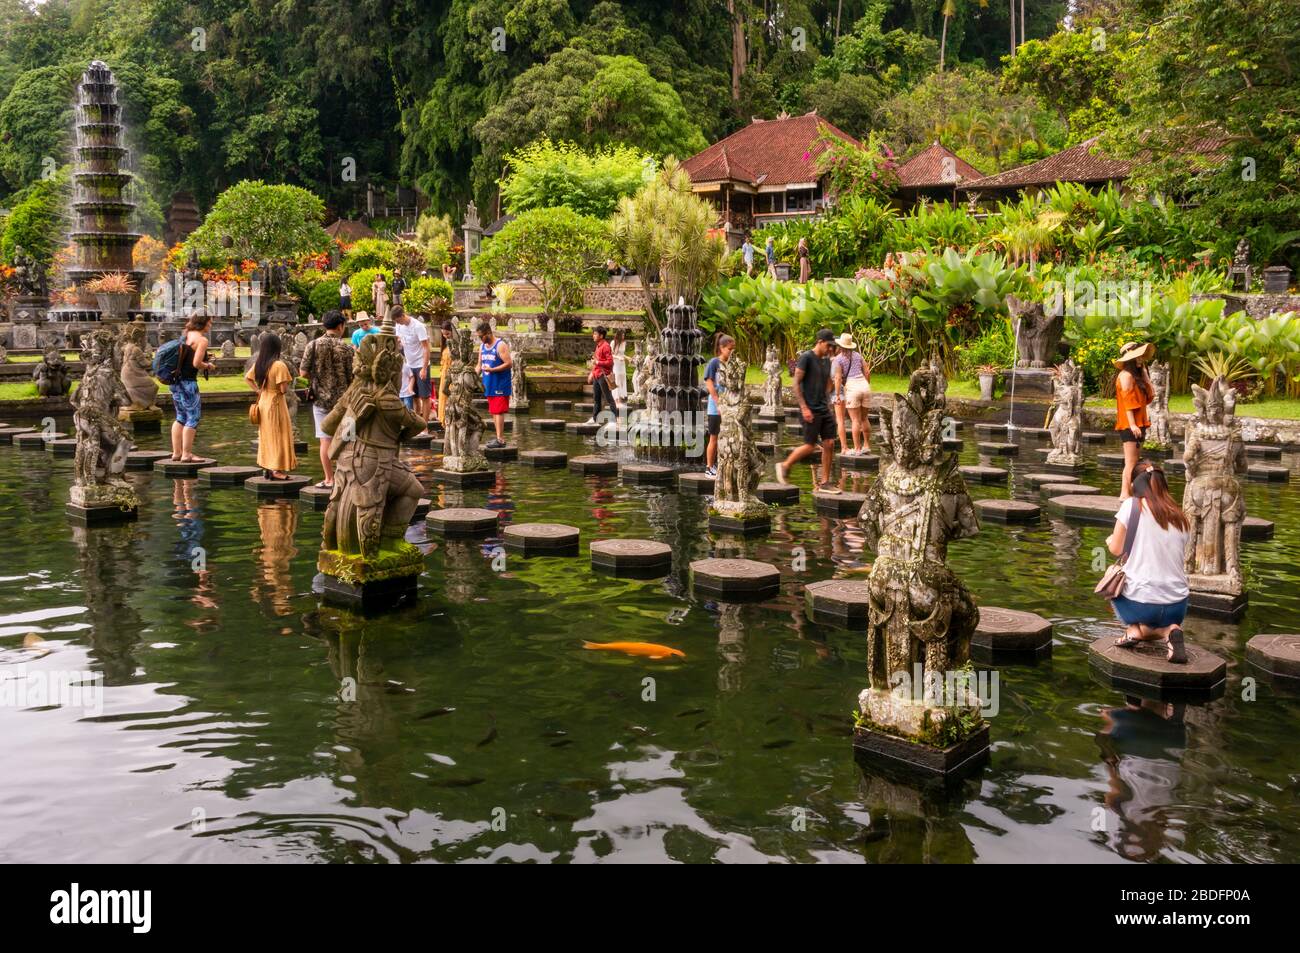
x: 844, y: 505
x: 1086, y: 508
x: 421, y: 509
x: 546, y: 423
x: 582, y: 428
x: 780, y: 493
x: 1008, y: 511
x: 735, y: 580
x: 1259, y: 472
x: 839, y: 601
x: 765, y: 448
x: 983, y: 474
x: 796, y: 428
x: 594, y: 465
x: 1145, y: 668
x: 182, y: 470
x: 792, y: 413
x: 585, y: 407
x: 67, y: 447
x: 462, y: 521
x: 277, y: 489
x: 228, y: 476
x: 558, y: 404
x: 544, y: 539
x: 1035, y: 433
x: 7, y: 434
x: 464, y: 478
x: 1113, y: 460
x: 765, y: 424
x: 145, y: 459
x: 36, y: 440
x: 317, y: 497
x: 701, y: 484
x: 645, y: 473
x: 1094, y: 436
x: 1038, y: 479
x: 1011, y: 632
x: 508, y: 452
x: 549, y: 459
x: 990, y: 429
x: 643, y: 558
x: 480, y: 403
x: 858, y: 461
x: 1254, y: 528
x: 1277, y: 654
x: 956, y: 443
x: 1264, y: 451
x: 995, y: 449
x: 1062, y: 489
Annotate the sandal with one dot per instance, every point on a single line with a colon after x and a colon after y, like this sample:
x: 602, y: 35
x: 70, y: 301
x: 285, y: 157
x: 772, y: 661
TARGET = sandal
x: 1177, y: 648
x: 1129, y: 641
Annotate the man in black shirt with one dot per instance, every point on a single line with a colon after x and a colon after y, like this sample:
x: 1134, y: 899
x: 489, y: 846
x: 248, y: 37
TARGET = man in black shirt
x: 812, y: 387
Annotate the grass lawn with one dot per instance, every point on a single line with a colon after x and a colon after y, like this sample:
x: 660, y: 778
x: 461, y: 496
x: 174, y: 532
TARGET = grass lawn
x: 1272, y: 408
x: 880, y: 383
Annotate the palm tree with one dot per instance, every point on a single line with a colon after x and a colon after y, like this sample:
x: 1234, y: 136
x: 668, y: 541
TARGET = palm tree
x: 949, y: 11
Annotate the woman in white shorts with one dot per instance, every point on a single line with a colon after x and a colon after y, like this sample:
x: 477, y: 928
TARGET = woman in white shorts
x: 856, y: 388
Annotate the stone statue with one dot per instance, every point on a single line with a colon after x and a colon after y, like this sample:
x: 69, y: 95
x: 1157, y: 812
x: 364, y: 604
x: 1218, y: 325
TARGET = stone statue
x: 463, y: 424
x: 375, y: 493
x: 51, y: 374
x: 292, y: 357
x: 1158, y: 409
x: 1040, y: 334
x: 29, y: 275
x: 137, y: 368
x: 228, y: 349
x: 771, y: 384
x: 1066, y: 428
x: 1240, y: 266
x: 1213, y: 502
x: 647, y: 375
x: 102, y: 440
x: 739, y: 461
x: 920, y: 617
x: 4, y: 354
x: 519, y: 381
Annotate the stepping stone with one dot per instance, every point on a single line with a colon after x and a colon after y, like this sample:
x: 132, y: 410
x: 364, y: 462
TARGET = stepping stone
x: 839, y: 505
x: 1010, y: 632
x: 548, y: 539
x: 480, y: 403
x: 645, y: 473
x: 316, y: 496
x: 1254, y: 528
x: 464, y: 478
x: 1259, y: 472
x: 767, y: 449
x: 865, y: 461
x: 582, y: 427
x: 421, y: 509
x: 508, y: 452
x: 1093, y: 436
x: 594, y: 465
x: 994, y: 449
x: 765, y: 425
x: 1068, y: 469
x: 145, y: 459
x: 463, y: 521
x: 549, y: 459
x: 277, y: 489
x: 546, y: 423
x: 36, y: 440
x: 1176, y: 465
x: 955, y: 444
x: 299, y: 446
x: 421, y: 439
x: 1038, y: 479
x: 178, y: 470
x: 698, y: 483
x: 757, y: 524
x: 1113, y: 460
x: 779, y: 493
x: 63, y: 448
x: 1264, y: 451
x: 990, y: 429
x: 796, y: 428
x: 1145, y: 668
x: 1061, y: 489
x: 734, y: 580
x: 985, y: 474
x: 585, y: 407
x: 1037, y: 433
x: 841, y: 601
x: 632, y: 557
x: 1276, y: 654
x: 7, y: 434
x: 558, y: 404
x: 1086, y: 508
x: 228, y: 476
x: 1008, y: 511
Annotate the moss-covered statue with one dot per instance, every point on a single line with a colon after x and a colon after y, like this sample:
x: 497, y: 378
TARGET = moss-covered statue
x: 138, y: 382
x: 1213, y: 502
x: 463, y: 425
x: 1066, y: 428
x: 102, y: 440
x: 921, y: 618
x: 51, y: 374
x: 739, y: 461
x: 375, y: 494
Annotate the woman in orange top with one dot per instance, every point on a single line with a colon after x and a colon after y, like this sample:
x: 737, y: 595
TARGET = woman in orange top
x: 1133, y: 391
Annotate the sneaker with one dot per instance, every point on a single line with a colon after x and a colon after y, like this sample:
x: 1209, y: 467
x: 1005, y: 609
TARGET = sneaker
x: 829, y: 488
x: 591, y: 421
x: 782, y: 474
x: 710, y: 471
x: 493, y: 444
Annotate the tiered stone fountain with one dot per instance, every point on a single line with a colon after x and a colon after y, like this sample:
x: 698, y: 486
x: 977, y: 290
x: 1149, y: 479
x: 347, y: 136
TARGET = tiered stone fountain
x: 678, y: 398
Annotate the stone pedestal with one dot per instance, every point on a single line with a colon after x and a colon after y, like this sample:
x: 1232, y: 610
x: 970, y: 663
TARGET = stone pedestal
x: 384, y: 581
x: 1214, y: 597
x: 102, y: 505
x: 464, y: 477
x: 101, y: 515
x: 745, y: 520
x: 142, y: 419
x: 1036, y: 382
x: 28, y: 309
x: 955, y: 761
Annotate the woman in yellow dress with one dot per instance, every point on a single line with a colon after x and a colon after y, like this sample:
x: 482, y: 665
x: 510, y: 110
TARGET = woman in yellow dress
x: 270, y: 378
x: 444, y: 377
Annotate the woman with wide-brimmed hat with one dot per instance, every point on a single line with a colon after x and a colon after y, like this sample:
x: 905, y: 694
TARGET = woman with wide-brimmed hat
x: 855, y: 390
x: 1133, y: 391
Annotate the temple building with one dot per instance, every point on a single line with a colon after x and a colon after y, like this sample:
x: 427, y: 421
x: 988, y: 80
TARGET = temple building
x: 934, y: 173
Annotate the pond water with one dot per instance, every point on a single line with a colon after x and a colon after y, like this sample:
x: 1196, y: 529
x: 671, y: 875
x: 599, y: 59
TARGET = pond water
x: 481, y: 729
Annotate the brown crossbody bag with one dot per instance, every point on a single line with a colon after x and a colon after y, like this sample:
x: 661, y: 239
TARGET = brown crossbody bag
x: 1111, y: 585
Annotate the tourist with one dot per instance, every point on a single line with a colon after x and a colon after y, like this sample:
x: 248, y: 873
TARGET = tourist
x: 769, y: 252
x: 345, y: 299
x: 448, y: 272
x: 414, y: 338
x: 837, y: 395
x: 327, y: 365
x: 494, y: 364
x: 712, y: 371
x: 364, y: 326
x: 379, y: 295
x: 856, y: 391
x: 399, y: 286
x: 1154, y: 599
x: 747, y: 255
x: 1133, y: 391
x: 193, y: 358
x: 805, y: 264
x: 444, y: 373
x: 602, y: 365
x: 620, y: 366
x: 270, y: 378
x: 812, y: 387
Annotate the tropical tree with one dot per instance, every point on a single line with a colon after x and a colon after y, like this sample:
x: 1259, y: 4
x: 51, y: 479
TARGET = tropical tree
x: 555, y: 250
x: 254, y: 220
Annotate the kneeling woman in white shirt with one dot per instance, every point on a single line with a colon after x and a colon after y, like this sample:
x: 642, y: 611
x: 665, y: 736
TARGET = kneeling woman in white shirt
x: 1154, y: 601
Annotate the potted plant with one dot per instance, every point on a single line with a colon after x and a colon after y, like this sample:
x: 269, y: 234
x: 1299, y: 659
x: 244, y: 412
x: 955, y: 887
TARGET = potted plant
x: 113, y: 290
x: 988, y: 375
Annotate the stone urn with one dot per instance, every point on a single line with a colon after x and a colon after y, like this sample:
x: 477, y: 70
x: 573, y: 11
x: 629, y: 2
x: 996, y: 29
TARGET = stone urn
x: 988, y: 377
x: 1277, y: 279
x: 113, y: 306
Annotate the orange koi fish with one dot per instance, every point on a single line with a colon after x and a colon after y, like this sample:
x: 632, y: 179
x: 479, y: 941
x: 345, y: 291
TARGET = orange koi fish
x: 650, y: 650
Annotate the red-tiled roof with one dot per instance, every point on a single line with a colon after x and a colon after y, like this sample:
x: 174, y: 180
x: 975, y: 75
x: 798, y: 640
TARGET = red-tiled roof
x: 767, y: 152
x: 927, y: 169
x: 349, y: 231
x: 1081, y: 163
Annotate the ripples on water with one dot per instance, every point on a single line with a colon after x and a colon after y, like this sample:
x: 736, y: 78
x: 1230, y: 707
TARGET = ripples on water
x: 481, y: 731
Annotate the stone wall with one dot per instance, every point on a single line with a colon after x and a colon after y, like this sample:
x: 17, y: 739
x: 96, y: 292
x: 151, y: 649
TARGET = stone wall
x: 619, y: 296
x: 1255, y: 305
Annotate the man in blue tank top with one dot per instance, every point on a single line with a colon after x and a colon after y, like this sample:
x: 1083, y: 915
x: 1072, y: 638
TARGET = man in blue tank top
x: 494, y: 364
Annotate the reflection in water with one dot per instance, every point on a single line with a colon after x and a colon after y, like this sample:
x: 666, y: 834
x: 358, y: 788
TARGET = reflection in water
x: 277, y: 521
x: 1142, y: 746
x: 908, y: 821
x: 109, y: 559
x: 731, y: 646
x: 1066, y: 542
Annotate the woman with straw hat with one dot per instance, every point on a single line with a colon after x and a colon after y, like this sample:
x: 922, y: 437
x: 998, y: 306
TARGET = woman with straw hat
x: 855, y: 391
x: 1133, y: 391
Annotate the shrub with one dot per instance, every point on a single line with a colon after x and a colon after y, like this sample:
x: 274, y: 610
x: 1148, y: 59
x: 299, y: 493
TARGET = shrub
x: 431, y: 297
x: 324, y: 293
x: 262, y: 221
x: 376, y: 253
x: 555, y: 250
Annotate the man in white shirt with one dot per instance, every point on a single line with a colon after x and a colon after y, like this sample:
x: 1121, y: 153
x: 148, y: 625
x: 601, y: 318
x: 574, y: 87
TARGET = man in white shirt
x: 414, y: 337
